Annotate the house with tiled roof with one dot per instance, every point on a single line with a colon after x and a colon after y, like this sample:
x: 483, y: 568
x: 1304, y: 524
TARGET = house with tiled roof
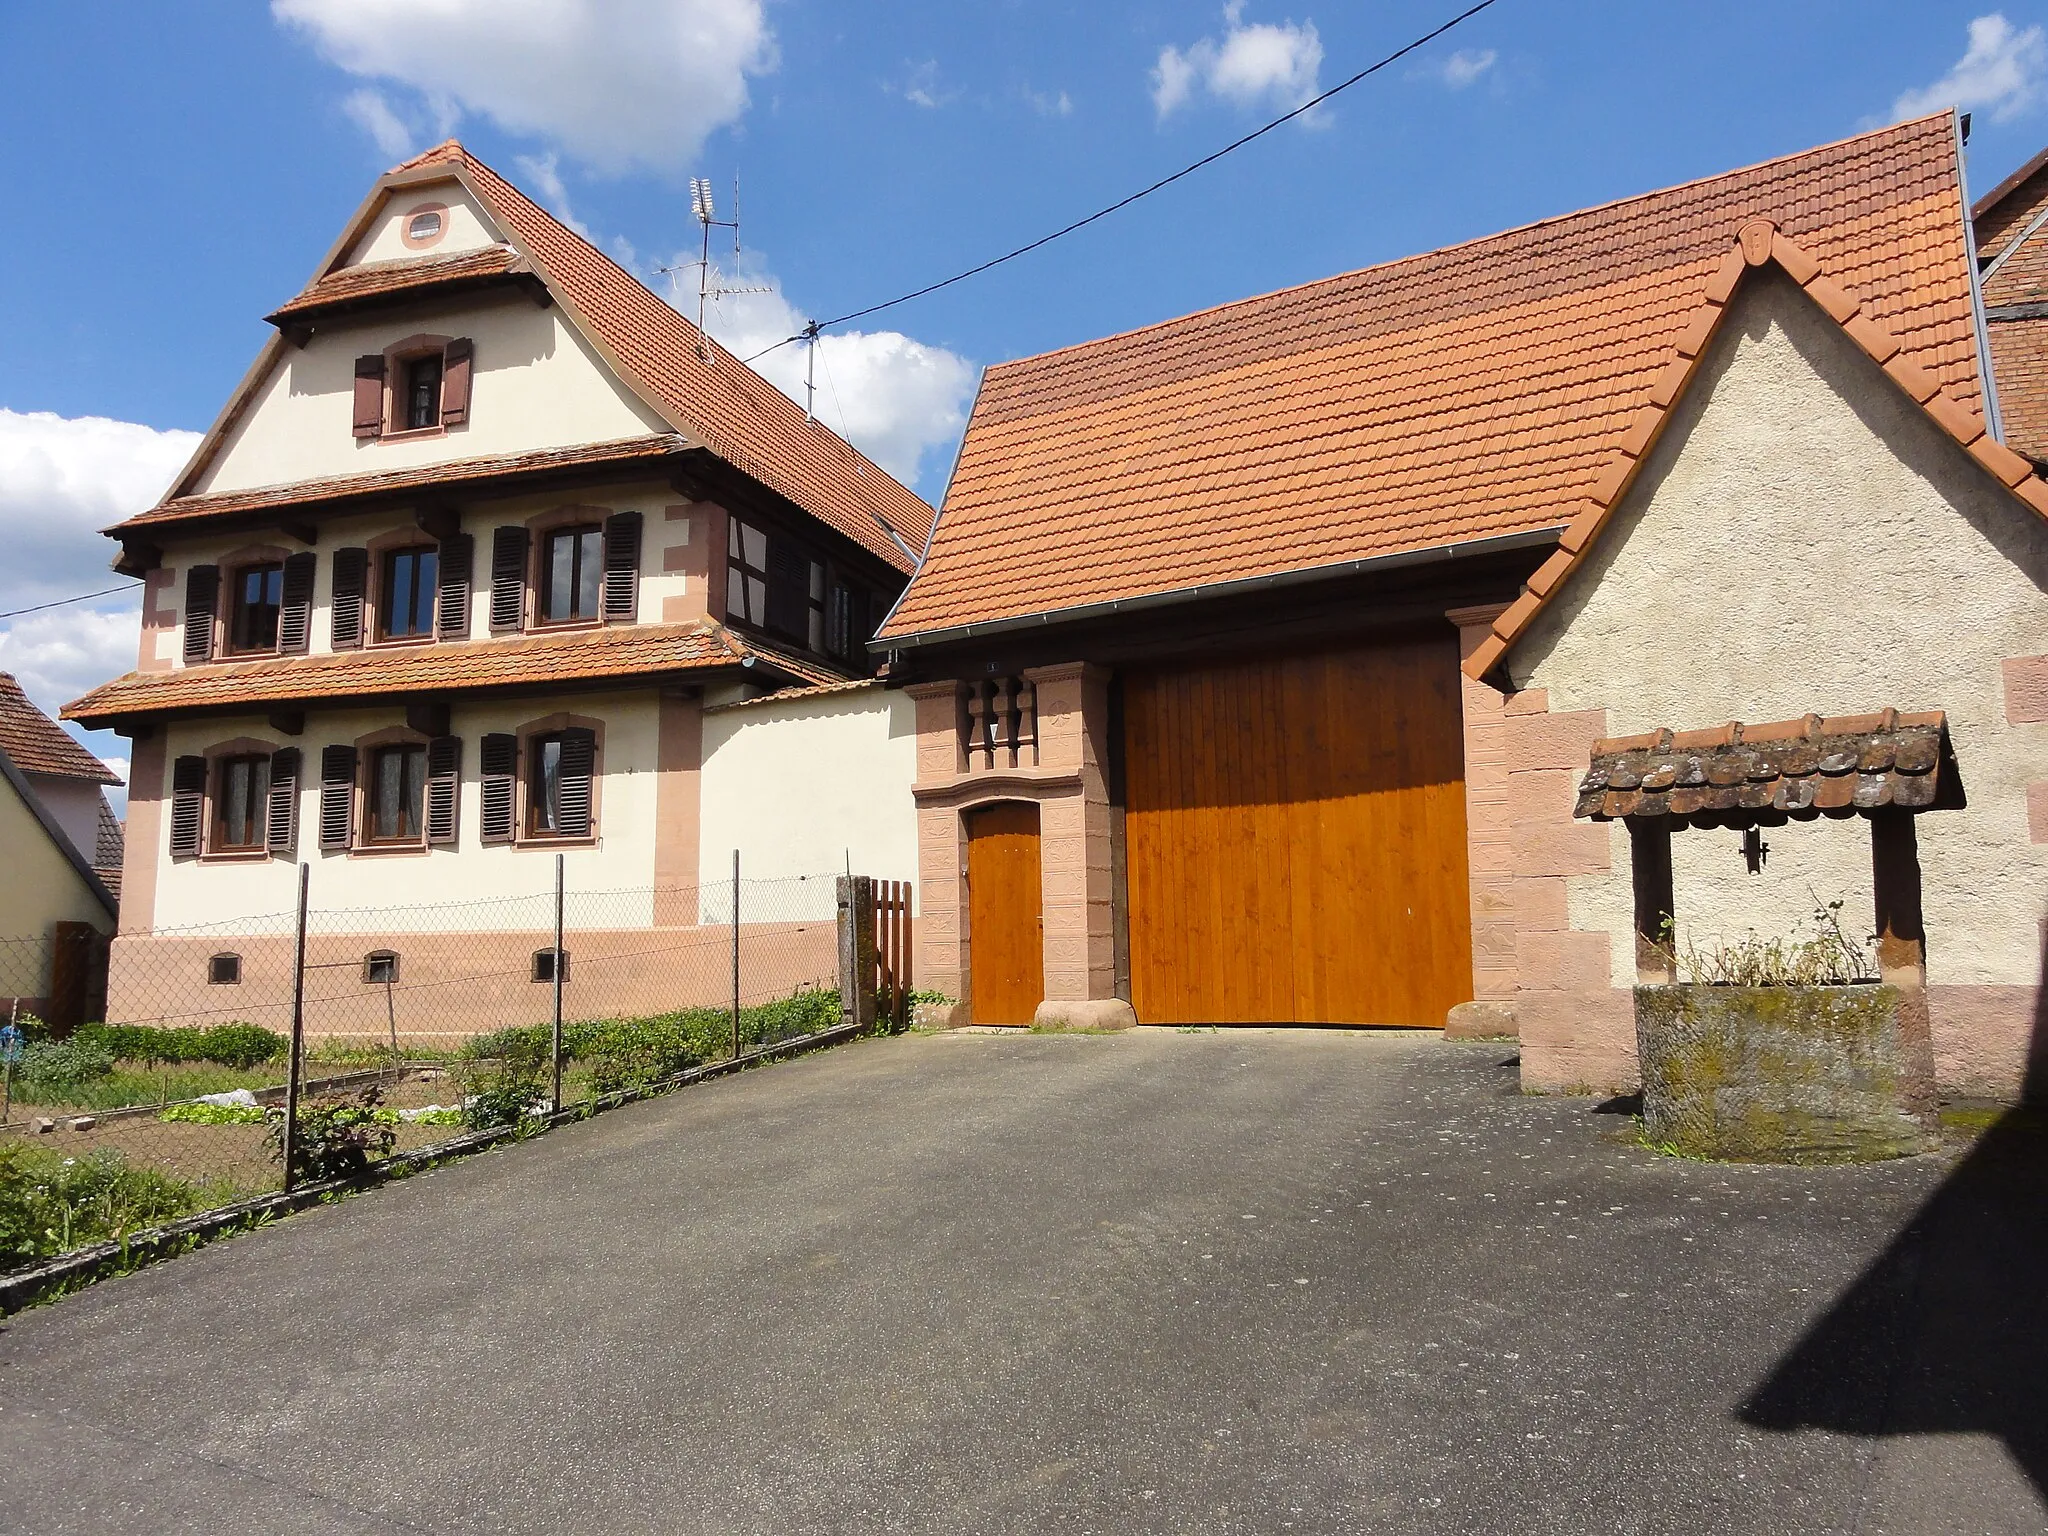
x: 450, y: 584
x: 62, y: 849
x: 1442, y: 641
x: 2010, y: 224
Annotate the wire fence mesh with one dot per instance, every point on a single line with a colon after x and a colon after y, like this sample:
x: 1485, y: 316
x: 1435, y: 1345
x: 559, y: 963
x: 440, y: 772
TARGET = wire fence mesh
x: 191, y: 1088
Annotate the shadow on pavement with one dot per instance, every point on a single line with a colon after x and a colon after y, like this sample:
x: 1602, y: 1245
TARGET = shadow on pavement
x: 1947, y: 1331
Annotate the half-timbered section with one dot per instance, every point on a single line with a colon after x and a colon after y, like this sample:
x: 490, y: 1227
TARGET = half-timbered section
x: 1284, y: 638
x: 454, y: 580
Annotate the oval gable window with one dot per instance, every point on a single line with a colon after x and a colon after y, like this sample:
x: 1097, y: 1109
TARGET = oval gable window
x: 425, y: 225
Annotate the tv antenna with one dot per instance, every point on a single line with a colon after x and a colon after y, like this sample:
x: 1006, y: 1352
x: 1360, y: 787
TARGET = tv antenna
x: 706, y: 215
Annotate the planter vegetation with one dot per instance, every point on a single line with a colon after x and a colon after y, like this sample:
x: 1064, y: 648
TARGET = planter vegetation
x: 1784, y: 1074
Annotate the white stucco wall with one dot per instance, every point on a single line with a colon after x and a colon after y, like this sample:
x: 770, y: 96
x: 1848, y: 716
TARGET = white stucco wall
x: 74, y: 804
x: 468, y: 227
x: 610, y: 883
x: 1804, y: 539
x: 164, y: 645
x: 537, y: 384
x: 804, y: 786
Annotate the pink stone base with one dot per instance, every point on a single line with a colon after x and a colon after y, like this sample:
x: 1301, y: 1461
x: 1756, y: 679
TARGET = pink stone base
x: 459, y: 984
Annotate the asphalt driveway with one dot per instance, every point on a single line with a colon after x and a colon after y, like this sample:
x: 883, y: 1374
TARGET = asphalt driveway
x: 1274, y: 1281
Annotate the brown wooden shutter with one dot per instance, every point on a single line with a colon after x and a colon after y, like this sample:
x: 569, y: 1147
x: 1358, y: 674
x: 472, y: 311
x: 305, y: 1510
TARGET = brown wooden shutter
x: 188, y: 805
x: 508, y: 578
x: 621, y: 601
x: 337, y: 797
x: 295, y: 618
x: 456, y: 362
x: 202, y: 604
x: 789, y: 607
x: 454, y: 572
x: 370, y: 395
x: 579, y: 751
x: 500, y: 769
x: 351, y: 571
x: 281, y: 814
x: 444, y: 790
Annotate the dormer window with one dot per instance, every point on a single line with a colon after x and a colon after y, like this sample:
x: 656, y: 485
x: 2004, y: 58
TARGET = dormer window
x: 421, y: 402
x: 423, y: 226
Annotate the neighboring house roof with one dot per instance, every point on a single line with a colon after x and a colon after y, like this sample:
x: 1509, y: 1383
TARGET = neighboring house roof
x: 2012, y: 254
x: 414, y: 276
x: 1757, y: 243
x: 688, y: 380
x: 110, y: 845
x: 1468, y: 394
x: 37, y: 744
x: 621, y: 654
x: 516, y: 470
x: 800, y: 691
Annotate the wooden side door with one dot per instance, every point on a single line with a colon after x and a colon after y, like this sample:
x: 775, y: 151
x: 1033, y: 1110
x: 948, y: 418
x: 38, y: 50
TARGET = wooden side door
x: 1295, y: 835
x: 1005, y: 913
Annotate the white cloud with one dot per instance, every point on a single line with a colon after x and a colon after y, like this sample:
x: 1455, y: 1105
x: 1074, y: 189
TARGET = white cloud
x: 1257, y: 65
x: 543, y: 175
x: 2000, y: 73
x: 618, y: 84
x: 1465, y: 66
x: 62, y: 479
x: 921, y: 86
x: 373, y: 114
x: 893, y: 397
x: 1049, y: 103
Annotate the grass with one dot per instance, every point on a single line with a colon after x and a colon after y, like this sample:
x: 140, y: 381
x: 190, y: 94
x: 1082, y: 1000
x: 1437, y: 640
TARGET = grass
x: 50, y: 1203
x: 133, y: 1083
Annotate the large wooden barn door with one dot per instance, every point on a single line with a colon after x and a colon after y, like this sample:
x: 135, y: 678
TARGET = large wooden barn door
x: 1005, y: 925
x: 1295, y: 835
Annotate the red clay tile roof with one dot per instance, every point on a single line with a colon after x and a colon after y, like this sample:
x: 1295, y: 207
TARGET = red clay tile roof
x: 1467, y: 393
x: 626, y: 652
x: 713, y: 397
x: 409, y: 274
x: 346, y: 488
x: 37, y: 744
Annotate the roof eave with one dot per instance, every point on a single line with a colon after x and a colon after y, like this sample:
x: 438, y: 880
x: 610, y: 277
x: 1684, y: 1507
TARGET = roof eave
x: 1365, y: 565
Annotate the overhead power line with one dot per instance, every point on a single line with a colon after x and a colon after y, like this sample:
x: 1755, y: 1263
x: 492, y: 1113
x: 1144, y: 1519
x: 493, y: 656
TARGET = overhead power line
x: 126, y: 586
x: 1165, y: 181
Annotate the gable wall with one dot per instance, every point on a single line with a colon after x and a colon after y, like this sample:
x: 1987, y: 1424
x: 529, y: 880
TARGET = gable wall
x: 42, y: 887
x: 467, y: 226
x: 537, y: 384
x: 1802, y: 539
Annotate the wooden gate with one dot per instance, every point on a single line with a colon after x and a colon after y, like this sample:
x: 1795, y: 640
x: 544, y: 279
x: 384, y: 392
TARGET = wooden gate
x: 1005, y: 928
x: 1295, y: 838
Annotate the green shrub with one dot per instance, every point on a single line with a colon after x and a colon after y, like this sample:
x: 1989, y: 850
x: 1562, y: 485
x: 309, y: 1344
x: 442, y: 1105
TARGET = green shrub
x: 50, y: 1203
x: 236, y: 1045
x: 501, y: 1095
x: 52, y: 1068
x: 524, y: 1045
x: 337, y: 1137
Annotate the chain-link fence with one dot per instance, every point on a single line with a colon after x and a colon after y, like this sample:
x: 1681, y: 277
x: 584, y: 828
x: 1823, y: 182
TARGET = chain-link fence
x: 240, y: 1059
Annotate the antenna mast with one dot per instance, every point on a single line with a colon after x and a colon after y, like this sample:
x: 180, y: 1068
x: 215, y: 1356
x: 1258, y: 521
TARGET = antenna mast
x: 706, y: 215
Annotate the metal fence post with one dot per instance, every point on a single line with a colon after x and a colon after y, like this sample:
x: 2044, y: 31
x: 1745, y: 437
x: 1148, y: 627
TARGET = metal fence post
x: 561, y: 965
x: 298, y: 1049
x: 735, y: 954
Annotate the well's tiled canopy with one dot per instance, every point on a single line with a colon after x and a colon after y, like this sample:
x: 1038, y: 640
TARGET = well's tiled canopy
x: 636, y: 653
x: 1471, y: 392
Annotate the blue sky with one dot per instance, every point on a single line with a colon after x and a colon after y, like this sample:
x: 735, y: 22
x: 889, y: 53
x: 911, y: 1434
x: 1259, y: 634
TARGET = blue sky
x: 177, y: 170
